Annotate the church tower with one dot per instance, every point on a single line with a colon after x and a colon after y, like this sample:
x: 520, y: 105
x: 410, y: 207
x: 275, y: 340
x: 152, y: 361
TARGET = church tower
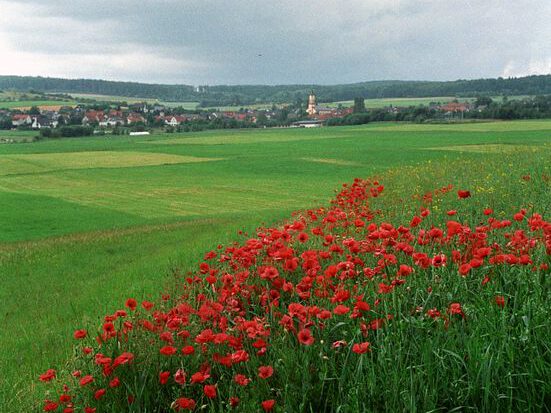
x: 311, y: 104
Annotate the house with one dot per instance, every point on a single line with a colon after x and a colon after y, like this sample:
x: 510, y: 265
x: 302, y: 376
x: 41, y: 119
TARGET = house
x: 138, y: 107
x: 40, y: 122
x: 324, y: 112
x: 21, y: 120
x: 115, y: 113
x: 135, y: 118
x: 174, y: 120
x: 93, y: 116
x: 111, y: 121
x: 229, y: 114
x: 455, y: 107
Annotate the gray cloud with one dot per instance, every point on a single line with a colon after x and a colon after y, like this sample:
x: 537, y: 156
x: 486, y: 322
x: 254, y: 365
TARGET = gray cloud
x: 246, y: 41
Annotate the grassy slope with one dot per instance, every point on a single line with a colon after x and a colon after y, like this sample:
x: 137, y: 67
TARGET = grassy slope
x: 130, y: 100
x: 26, y: 104
x: 383, y: 102
x: 69, y: 279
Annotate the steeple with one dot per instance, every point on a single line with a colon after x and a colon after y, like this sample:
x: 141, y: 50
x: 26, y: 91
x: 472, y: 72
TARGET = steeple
x: 311, y: 110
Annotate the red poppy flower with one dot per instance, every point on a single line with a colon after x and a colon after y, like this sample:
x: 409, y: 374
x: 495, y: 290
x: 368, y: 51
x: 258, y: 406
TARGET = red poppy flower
x: 99, y: 394
x: 115, y: 382
x: 86, y: 380
x: 50, y: 406
x: 305, y: 337
x: 268, y: 405
x: 183, y: 403
x: 108, y: 327
x: 464, y: 269
x: 361, y: 348
x: 164, y: 376
x: 341, y: 309
x: 64, y: 398
x: 241, y: 379
x: 168, y: 350
x: 338, y: 344
x: 500, y: 301
x: 240, y: 356
x: 180, y: 377
x: 48, y: 376
x: 210, y: 391
x: 415, y: 221
x: 433, y: 313
x: 79, y: 334
x: 463, y: 194
x: 124, y: 358
x: 199, y: 377
x: 455, y: 308
x: 265, y: 371
x: 131, y: 304
x: 187, y: 350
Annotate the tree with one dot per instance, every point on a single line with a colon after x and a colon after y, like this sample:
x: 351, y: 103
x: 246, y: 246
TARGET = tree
x: 483, y: 101
x: 5, y: 123
x: 282, y: 115
x: 261, y: 119
x: 359, y: 105
x: 34, y: 111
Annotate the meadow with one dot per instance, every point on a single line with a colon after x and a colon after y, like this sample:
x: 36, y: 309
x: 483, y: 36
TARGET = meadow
x: 131, y: 100
x: 404, y: 102
x: 26, y: 105
x: 24, y: 101
x: 88, y: 222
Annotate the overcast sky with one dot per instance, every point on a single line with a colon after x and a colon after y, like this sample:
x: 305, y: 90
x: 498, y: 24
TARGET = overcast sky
x: 274, y: 42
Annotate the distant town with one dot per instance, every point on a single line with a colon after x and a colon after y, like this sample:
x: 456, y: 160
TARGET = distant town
x: 96, y: 117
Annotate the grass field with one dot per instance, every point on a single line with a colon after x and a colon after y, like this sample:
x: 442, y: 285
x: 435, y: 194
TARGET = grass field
x: 24, y: 101
x: 130, y: 100
x: 384, y: 102
x: 17, y: 135
x: 42, y: 104
x: 87, y: 222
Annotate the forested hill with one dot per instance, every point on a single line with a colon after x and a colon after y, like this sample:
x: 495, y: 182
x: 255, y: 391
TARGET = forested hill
x: 248, y: 94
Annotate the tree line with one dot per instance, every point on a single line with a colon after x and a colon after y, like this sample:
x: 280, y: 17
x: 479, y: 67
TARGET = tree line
x: 224, y: 95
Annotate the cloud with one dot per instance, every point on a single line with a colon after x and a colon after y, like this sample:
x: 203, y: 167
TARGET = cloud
x: 245, y: 41
x: 532, y: 67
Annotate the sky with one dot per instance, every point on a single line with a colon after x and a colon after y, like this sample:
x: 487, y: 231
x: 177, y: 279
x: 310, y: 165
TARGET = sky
x: 200, y: 42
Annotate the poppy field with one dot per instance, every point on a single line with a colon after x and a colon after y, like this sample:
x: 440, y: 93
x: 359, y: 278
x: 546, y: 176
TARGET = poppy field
x: 421, y: 284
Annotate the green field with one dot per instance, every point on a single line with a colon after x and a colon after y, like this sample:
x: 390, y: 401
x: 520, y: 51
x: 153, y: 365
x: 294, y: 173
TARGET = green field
x: 26, y: 104
x: 130, y: 100
x: 17, y: 135
x: 403, y: 102
x: 87, y: 222
x: 23, y: 101
x: 384, y: 102
x: 235, y: 108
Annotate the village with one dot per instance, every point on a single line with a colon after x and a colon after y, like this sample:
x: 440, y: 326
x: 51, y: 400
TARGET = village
x: 140, y: 116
